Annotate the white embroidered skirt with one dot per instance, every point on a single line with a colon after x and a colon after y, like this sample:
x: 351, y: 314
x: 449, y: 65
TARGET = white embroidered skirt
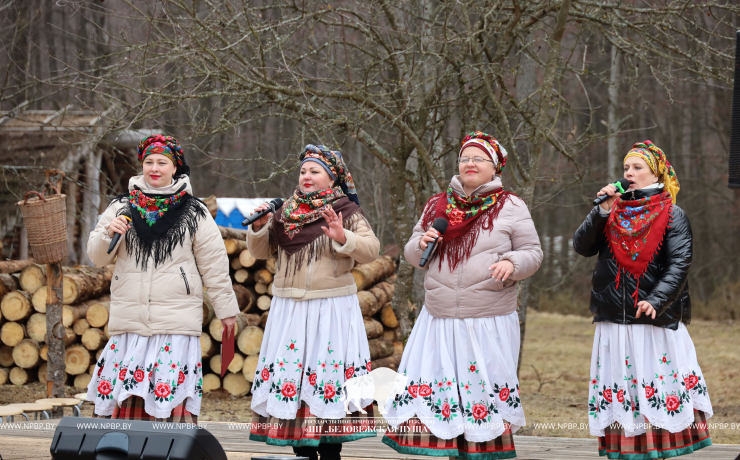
x: 461, y: 377
x: 640, y: 371
x: 309, y: 350
x: 164, y: 370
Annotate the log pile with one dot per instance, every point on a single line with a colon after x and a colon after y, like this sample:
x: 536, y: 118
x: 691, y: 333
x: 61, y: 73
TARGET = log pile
x: 23, y: 351
x: 86, y: 292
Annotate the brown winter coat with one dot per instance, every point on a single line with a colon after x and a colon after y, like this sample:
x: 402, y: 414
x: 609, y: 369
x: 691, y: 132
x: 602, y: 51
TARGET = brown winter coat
x: 329, y: 275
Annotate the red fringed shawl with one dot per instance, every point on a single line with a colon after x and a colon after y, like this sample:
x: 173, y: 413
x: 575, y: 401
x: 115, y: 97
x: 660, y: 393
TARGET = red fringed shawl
x: 467, y: 216
x: 635, y: 231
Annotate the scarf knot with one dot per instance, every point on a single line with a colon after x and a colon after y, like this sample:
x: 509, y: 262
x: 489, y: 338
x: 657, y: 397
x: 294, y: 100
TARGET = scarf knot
x: 467, y: 216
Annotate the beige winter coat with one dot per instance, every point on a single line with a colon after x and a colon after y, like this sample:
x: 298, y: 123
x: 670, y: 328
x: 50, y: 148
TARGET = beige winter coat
x: 469, y: 291
x: 329, y: 276
x: 167, y: 299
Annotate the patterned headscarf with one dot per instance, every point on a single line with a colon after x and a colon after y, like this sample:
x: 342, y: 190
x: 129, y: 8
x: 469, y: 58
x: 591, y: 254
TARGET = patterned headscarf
x: 659, y: 165
x: 163, y: 145
x: 489, y: 146
x: 333, y: 163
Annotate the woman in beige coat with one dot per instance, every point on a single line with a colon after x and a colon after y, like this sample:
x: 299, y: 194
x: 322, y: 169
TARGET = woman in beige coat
x: 315, y: 339
x: 461, y: 397
x: 170, y: 250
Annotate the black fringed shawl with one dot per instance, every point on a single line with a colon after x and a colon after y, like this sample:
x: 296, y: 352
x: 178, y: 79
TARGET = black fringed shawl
x: 159, y: 240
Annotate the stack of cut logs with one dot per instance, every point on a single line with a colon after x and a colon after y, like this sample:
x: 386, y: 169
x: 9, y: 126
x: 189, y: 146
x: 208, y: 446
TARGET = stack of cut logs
x: 23, y: 352
x: 86, y: 305
x: 252, y: 281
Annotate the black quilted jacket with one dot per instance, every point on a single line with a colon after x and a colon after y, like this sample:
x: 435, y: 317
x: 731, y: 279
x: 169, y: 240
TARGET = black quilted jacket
x: 664, y: 284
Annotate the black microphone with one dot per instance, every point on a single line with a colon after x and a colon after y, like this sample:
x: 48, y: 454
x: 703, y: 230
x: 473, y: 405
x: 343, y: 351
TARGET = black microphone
x: 440, y: 224
x: 274, y: 204
x: 127, y: 214
x: 622, y: 186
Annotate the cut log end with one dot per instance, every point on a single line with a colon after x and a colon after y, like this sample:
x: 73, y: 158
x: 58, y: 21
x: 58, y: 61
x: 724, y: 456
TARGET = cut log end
x: 211, y: 382
x: 249, y: 340
x: 250, y: 367
x: 76, y: 359
x: 12, y: 333
x: 236, y: 384
x: 32, y: 277
x: 26, y: 354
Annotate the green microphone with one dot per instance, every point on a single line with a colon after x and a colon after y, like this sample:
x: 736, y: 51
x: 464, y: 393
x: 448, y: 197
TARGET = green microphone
x: 622, y: 186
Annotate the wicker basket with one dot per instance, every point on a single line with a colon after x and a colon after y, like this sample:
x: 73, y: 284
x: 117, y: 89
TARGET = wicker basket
x: 46, y: 225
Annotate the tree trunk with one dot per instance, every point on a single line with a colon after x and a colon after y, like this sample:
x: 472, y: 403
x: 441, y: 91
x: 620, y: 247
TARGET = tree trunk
x: 236, y: 384
x: 55, y: 332
x: 250, y: 340
x: 234, y: 233
x: 247, y: 259
x: 8, y: 283
x: 14, y: 266
x: 380, y: 348
x: 20, y: 376
x: 82, y: 381
x: 36, y: 327
x: 613, y: 160
x: 85, y: 282
x: 98, y: 313
x: 26, y: 354
x: 207, y: 347
x: 244, y: 276
x: 387, y: 317
x: 16, y: 306
x: 244, y: 298
x: 250, y: 367
x: 77, y: 359
x: 263, y: 276
x: 12, y: 333
x: 6, y: 356
x: 234, y: 246
x: 80, y: 326
x: 93, y: 339
x: 368, y: 274
x: 373, y: 328
x: 32, y: 277
x: 211, y: 382
x: 71, y: 313
x: 542, y: 124
x: 264, y: 302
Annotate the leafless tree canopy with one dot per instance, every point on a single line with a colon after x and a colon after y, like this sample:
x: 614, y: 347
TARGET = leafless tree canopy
x: 567, y: 86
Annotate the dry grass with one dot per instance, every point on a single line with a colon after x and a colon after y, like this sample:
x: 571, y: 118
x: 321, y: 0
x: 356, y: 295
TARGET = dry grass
x: 559, y: 348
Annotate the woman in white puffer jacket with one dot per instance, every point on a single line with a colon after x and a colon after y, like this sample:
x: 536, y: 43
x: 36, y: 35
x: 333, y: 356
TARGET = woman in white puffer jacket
x: 151, y: 366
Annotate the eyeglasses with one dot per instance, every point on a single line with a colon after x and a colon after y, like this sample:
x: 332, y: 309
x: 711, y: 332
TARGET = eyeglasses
x: 477, y: 160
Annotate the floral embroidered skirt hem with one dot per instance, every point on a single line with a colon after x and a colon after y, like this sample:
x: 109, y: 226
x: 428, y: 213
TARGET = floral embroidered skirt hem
x: 162, y: 371
x: 310, y: 351
x: 414, y: 438
x: 641, y: 372
x: 460, y: 378
x: 132, y: 408
x: 655, y: 442
x: 308, y: 430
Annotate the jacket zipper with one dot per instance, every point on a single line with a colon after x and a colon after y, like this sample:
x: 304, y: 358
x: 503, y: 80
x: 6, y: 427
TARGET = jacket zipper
x: 459, y: 276
x: 624, y: 307
x: 185, y: 278
x: 308, y: 276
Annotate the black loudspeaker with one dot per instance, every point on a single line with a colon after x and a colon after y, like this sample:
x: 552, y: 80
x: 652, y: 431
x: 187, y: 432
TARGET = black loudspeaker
x: 83, y: 438
x: 734, y: 176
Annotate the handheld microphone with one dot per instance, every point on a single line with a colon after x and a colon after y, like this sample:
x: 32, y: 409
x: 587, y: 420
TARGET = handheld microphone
x: 127, y: 214
x: 622, y: 186
x: 274, y: 204
x: 440, y: 224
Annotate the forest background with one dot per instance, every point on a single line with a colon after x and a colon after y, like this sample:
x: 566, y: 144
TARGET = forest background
x: 567, y: 86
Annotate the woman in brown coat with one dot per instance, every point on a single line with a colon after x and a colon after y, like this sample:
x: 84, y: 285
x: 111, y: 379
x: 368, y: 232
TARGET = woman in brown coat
x: 460, y: 359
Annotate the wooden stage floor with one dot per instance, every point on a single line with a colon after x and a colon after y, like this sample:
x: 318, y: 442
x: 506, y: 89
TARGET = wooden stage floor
x: 31, y: 441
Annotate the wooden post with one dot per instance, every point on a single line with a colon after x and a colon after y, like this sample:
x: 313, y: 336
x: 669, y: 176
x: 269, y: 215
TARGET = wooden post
x: 55, y: 333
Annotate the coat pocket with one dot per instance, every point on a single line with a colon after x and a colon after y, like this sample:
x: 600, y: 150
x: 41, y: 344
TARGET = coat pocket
x: 185, y: 279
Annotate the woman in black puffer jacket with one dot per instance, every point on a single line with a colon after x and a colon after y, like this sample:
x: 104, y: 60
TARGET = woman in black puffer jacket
x: 644, y: 371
